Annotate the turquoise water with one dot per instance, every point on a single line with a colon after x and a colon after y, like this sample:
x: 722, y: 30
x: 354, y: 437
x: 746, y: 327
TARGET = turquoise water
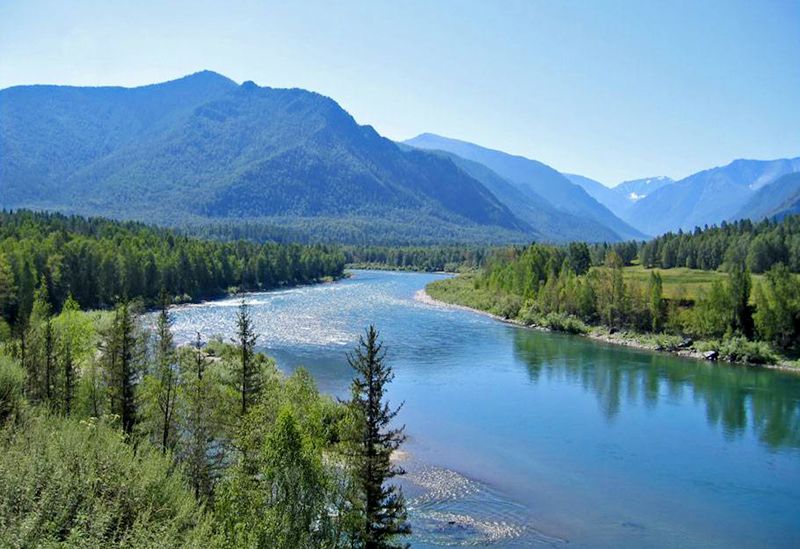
x: 519, y: 438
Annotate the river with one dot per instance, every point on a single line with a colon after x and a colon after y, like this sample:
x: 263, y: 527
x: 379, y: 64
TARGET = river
x: 520, y: 438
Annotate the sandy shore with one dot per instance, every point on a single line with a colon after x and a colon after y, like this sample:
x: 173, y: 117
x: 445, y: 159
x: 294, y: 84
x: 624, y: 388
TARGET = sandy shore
x: 619, y: 338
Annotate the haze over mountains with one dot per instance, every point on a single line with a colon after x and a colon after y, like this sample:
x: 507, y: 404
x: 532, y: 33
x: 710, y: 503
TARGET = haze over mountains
x: 203, y: 149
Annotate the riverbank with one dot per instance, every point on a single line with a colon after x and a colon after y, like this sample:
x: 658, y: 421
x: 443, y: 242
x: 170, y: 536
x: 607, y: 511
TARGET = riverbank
x: 605, y: 335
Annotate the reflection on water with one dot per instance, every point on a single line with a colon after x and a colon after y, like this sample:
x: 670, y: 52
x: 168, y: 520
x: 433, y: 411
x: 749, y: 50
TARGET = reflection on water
x: 734, y: 396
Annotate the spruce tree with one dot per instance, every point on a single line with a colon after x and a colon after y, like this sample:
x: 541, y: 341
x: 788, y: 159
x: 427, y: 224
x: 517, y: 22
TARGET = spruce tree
x: 201, y: 453
x: 166, y: 371
x: 380, y: 507
x: 247, y: 371
x: 122, y: 350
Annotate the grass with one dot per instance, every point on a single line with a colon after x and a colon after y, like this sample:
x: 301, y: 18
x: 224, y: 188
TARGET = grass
x: 679, y: 282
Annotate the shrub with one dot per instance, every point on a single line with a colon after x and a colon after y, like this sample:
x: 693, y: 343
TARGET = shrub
x: 79, y: 484
x: 740, y: 349
x: 559, y: 322
x: 12, y: 384
x: 662, y: 341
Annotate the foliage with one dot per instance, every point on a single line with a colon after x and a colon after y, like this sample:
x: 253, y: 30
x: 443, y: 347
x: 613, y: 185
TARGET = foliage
x: 12, y: 390
x: 777, y: 316
x: 761, y: 245
x: 537, y: 285
x: 98, y: 261
x: 380, y: 506
x: 417, y: 258
x: 78, y: 484
x: 560, y: 322
x: 740, y: 349
x: 282, y: 497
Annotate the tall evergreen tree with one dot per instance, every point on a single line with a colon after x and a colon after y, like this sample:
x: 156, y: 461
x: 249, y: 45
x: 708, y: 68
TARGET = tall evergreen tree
x: 166, y: 372
x: 247, y: 372
x: 122, y: 350
x: 202, y: 451
x: 380, y: 506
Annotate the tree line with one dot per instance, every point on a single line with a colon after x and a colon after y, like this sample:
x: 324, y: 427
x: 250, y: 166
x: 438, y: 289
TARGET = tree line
x: 417, y: 258
x: 758, y: 246
x: 561, y: 288
x: 97, y: 262
x: 112, y: 436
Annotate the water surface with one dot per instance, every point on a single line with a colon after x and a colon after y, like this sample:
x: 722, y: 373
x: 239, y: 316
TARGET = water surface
x: 521, y: 438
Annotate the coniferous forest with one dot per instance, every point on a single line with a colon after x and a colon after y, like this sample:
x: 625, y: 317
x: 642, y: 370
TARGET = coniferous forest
x: 98, y: 262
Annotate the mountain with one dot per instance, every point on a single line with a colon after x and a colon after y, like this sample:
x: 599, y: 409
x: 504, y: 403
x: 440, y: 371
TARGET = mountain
x: 707, y: 197
x: 637, y: 189
x: 204, y: 148
x: 610, y: 198
x: 776, y: 199
x: 530, y: 175
x: 552, y: 224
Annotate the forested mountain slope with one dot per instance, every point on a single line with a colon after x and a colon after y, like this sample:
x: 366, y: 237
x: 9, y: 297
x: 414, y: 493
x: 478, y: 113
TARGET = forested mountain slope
x: 203, y: 148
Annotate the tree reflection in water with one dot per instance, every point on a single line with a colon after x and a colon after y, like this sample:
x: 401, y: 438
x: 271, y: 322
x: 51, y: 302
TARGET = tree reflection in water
x: 733, y: 395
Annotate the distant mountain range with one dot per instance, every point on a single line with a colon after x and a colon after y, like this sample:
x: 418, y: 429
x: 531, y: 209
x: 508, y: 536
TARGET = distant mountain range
x: 708, y: 197
x: 539, y: 182
x: 205, y: 150
x: 752, y: 189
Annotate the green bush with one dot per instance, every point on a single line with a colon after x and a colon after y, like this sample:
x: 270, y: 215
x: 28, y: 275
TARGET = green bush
x: 740, y: 349
x: 79, y: 484
x: 559, y: 322
x: 662, y: 341
x: 12, y: 384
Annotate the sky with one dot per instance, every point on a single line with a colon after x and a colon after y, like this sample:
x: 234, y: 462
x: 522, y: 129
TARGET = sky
x: 611, y: 90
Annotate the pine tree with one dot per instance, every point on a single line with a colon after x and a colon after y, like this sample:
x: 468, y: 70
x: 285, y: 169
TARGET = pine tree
x: 165, y: 371
x: 122, y: 350
x: 201, y: 452
x: 381, y: 507
x: 247, y: 371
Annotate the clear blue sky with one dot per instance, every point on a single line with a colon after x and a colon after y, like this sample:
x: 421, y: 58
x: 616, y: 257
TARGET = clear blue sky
x: 610, y: 89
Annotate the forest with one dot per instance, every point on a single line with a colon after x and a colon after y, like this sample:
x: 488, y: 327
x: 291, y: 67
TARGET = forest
x: 98, y: 262
x: 564, y: 288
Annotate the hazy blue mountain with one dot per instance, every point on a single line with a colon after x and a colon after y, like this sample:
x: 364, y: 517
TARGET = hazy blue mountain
x: 707, y: 197
x: 776, y: 199
x: 203, y: 147
x: 636, y: 189
x: 614, y: 201
x: 532, y: 175
x: 48, y: 133
x: 550, y: 223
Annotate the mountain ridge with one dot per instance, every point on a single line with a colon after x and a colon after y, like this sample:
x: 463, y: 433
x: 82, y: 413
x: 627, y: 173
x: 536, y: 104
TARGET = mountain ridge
x: 530, y: 174
x: 222, y: 150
